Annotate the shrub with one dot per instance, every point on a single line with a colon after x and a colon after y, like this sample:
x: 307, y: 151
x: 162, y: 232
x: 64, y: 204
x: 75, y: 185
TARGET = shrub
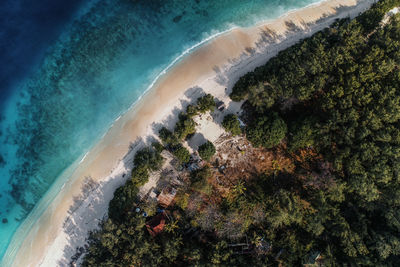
x: 267, y: 131
x: 206, y: 150
x: 231, y: 124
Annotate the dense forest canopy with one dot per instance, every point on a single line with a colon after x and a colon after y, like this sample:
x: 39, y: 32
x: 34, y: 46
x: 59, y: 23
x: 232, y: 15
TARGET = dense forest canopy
x: 331, y: 105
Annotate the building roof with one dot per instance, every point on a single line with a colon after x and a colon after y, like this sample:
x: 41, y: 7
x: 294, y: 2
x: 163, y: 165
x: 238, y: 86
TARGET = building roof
x: 166, y: 196
x: 156, y: 224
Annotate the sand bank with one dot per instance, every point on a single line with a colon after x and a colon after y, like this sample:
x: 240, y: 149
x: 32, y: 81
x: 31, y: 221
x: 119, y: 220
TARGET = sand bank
x: 216, y: 65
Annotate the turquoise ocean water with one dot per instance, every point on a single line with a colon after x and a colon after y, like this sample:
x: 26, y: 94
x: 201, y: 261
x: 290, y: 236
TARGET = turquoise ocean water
x: 70, y: 68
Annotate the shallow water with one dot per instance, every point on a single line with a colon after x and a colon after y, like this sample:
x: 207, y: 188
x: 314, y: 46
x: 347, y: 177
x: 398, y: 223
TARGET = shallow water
x: 70, y: 69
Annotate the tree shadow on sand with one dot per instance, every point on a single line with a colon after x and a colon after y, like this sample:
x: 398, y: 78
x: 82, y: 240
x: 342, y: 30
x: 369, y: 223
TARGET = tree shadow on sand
x: 90, y: 207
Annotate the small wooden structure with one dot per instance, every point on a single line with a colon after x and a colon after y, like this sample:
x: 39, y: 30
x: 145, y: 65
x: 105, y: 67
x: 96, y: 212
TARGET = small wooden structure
x: 313, y: 258
x: 156, y: 224
x: 166, y: 196
x: 241, y: 248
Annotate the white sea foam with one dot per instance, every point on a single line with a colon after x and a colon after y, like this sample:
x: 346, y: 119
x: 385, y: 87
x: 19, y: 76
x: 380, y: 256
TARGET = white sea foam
x: 84, y: 156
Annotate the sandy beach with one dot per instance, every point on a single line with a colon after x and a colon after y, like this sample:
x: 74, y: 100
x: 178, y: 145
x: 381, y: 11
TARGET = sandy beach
x: 212, y: 68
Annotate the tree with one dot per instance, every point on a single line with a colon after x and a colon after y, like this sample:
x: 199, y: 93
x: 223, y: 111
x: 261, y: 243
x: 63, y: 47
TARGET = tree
x: 123, y: 200
x: 148, y: 159
x: 240, y: 89
x: 267, y: 131
x: 231, y: 124
x: 140, y: 175
x: 182, y: 154
x: 343, y: 196
x: 191, y: 110
x: 184, y: 127
x: 167, y: 136
x: 302, y: 134
x: 199, y: 180
x: 206, y: 103
x: 200, y: 174
x: 207, y: 150
x: 158, y: 147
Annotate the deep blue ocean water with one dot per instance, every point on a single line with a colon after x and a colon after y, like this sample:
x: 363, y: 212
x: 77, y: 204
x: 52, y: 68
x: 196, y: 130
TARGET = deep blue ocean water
x: 70, y: 68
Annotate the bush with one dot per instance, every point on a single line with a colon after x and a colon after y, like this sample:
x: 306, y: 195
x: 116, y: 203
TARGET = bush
x: 267, y: 131
x: 182, y: 154
x: 206, y: 103
x: 231, y: 124
x: 207, y: 150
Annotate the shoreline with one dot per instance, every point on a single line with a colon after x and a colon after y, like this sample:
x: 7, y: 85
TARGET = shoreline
x: 213, y: 65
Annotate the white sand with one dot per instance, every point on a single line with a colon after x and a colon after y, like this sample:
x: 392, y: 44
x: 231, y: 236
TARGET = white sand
x: 215, y: 66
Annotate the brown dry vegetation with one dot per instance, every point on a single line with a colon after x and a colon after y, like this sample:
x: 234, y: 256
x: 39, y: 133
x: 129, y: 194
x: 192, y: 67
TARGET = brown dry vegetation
x: 237, y: 160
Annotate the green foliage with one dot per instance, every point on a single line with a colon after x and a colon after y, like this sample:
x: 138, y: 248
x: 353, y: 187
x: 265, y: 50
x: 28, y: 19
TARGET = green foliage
x: 338, y: 92
x: 206, y: 103
x: 140, y: 175
x: 167, y: 137
x: 199, y: 180
x: 200, y: 174
x: 184, y: 127
x: 267, y: 131
x: 207, y: 150
x: 150, y: 207
x: 344, y: 83
x: 370, y: 18
x: 302, y: 134
x: 182, y: 154
x: 123, y: 200
x: 240, y: 89
x: 191, y: 110
x: 158, y: 147
x: 231, y: 124
x: 148, y: 159
x: 145, y: 160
